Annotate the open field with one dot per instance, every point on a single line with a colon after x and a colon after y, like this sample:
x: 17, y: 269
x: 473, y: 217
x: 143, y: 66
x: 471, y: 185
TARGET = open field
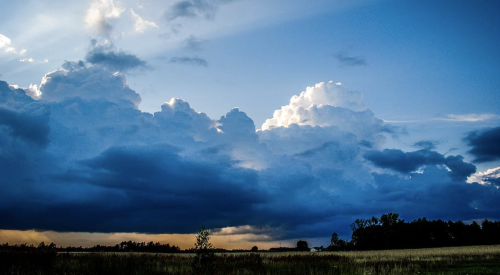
x: 453, y: 260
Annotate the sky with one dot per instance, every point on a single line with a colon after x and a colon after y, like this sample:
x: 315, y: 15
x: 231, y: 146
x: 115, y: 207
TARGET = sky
x: 266, y: 121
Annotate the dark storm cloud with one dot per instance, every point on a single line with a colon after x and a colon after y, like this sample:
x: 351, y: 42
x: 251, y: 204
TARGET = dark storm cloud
x: 460, y: 170
x: 196, y: 61
x: 25, y: 126
x: 169, y: 192
x: 403, y: 162
x: 21, y: 117
x: 350, y: 61
x: 485, y: 145
x: 406, y: 162
x: 114, y: 60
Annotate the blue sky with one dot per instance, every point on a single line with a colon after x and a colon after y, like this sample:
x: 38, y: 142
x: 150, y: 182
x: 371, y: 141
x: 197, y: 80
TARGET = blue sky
x: 124, y: 111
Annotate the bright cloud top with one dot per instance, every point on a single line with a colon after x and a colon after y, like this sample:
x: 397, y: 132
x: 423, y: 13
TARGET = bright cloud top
x: 312, y: 106
x: 141, y: 25
x: 6, y: 46
x: 100, y: 15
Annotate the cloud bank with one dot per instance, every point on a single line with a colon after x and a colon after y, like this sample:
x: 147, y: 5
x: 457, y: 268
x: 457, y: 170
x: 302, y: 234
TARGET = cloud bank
x: 84, y: 158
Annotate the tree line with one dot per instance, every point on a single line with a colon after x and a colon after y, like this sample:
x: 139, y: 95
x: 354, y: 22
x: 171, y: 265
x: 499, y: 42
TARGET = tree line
x: 125, y: 246
x: 390, y: 232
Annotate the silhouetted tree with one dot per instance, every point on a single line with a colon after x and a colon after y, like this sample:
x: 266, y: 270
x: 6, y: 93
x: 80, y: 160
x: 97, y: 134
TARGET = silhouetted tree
x: 337, y: 243
x: 204, y: 249
x: 302, y: 246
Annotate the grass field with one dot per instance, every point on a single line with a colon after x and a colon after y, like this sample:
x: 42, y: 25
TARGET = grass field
x: 455, y: 260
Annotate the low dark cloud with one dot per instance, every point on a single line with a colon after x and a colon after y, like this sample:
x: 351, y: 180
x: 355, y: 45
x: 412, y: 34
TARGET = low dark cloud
x: 114, y: 60
x: 404, y: 162
x: 350, y: 61
x: 485, y: 145
x: 407, y: 162
x: 195, y: 61
x: 460, y: 170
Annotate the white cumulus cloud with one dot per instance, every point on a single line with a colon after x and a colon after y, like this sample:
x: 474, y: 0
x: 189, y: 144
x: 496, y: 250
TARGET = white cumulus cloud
x: 5, y: 44
x: 329, y: 104
x: 140, y: 25
x: 30, y: 60
x: 301, y: 108
x: 100, y: 14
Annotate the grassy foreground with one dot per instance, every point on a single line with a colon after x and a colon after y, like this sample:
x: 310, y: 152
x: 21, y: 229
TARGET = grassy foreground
x: 453, y: 260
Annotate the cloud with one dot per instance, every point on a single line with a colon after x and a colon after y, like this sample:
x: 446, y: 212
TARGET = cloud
x: 330, y: 104
x: 5, y: 45
x: 460, y: 170
x: 84, y: 147
x: 452, y: 118
x: 25, y: 126
x: 87, y: 83
x: 73, y: 66
x: 426, y: 144
x: 33, y: 91
x: 485, y: 145
x: 100, y: 16
x: 350, y: 61
x: 193, y: 44
x: 141, y: 25
x: 407, y: 162
x: 30, y: 60
x: 470, y: 117
x: 490, y: 176
x: 21, y: 118
x: 400, y: 161
x: 196, y: 61
x: 106, y: 56
x: 194, y: 9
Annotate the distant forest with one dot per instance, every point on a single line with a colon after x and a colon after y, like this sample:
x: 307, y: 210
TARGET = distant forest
x: 386, y: 232
x: 390, y: 232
